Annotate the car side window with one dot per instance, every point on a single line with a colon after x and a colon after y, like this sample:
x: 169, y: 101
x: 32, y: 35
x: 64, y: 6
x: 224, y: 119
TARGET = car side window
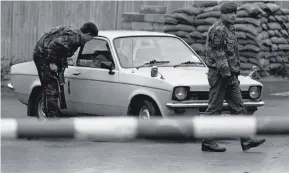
x: 94, y: 53
x: 71, y: 60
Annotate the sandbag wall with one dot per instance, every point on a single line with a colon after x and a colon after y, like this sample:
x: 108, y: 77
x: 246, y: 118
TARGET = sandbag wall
x: 262, y: 30
x: 149, y: 18
x: 192, y: 24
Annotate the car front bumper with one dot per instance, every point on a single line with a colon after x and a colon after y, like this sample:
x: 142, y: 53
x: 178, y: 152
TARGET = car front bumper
x: 204, y: 104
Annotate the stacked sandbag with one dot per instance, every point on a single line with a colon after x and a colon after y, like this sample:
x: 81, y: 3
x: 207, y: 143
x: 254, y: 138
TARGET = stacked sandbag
x: 262, y: 29
x: 262, y: 35
x: 278, y: 28
x: 149, y: 18
x: 181, y: 23
x: 192, y: 24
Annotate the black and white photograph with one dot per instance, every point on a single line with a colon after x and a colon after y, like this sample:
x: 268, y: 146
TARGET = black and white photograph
x: 130, y: 86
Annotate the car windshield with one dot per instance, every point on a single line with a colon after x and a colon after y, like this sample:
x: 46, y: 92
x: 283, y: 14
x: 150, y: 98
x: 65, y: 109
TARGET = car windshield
x: 136, y: 51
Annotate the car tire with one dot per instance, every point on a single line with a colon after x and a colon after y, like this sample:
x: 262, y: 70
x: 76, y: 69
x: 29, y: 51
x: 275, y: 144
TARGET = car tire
x: 145, y: 109
x: 37, y: 106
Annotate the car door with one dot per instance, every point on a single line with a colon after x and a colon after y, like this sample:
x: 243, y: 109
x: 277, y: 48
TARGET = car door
x: 94, y: 89
x: 68, y: 74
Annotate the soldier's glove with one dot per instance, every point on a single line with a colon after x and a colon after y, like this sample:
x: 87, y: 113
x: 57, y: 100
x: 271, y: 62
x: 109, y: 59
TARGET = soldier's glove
x: 236, y: 75
x: 230, y: 81
x: 229, y: 53
x: 53, y: 67
x: 65, y: 64
x: 53, y: 75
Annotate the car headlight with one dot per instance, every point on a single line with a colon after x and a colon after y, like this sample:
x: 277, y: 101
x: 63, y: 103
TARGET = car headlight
x: 254, y: 92
x: 181, y: 93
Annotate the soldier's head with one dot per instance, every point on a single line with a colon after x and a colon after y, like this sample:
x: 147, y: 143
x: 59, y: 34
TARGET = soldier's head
x: 89, y: 30
x: 229, y: 10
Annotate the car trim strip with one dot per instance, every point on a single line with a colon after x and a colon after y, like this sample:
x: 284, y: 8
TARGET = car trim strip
x: 105, y: 81
x: 205, y: 104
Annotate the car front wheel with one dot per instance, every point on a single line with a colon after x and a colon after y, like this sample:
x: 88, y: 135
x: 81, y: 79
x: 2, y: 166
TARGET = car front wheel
x: 39, y: 108
x: 145, y: 109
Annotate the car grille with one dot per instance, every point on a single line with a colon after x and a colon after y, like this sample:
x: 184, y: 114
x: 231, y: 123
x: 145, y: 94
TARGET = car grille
x: 204, y: 95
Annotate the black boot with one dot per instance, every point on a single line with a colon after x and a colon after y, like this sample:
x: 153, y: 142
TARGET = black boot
x: 212, y: 146
x: 248, y: 143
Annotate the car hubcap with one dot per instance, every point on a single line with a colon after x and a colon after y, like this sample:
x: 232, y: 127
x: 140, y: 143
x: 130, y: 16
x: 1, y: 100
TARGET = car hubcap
x: 41, y: 113
x: 144, y: 113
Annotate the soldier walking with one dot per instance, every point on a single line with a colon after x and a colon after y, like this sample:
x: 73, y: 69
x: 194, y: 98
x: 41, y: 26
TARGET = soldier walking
x: 224, y: 69
x: 50, y: 57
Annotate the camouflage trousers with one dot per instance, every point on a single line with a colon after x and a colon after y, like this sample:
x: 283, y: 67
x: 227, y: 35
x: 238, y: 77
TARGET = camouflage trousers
x: 49, y: 87
x: 220, y: 91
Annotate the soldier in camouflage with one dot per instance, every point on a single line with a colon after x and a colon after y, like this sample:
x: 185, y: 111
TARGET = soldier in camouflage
x: 50, y: 57
x: 224, y: 69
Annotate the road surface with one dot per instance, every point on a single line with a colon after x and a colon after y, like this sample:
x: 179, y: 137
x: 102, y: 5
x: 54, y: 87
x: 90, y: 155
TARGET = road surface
x: 51, y: 156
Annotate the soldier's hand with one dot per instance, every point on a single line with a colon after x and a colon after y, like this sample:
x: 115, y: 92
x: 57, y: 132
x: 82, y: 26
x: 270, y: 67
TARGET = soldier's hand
x: 53, y: 67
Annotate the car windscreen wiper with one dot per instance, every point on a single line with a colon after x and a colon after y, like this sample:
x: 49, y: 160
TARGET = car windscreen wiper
x: 189, y: 62
x: 153, y: 62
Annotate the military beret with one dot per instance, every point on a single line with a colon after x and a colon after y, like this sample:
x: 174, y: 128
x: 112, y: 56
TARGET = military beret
x: 228, y: 7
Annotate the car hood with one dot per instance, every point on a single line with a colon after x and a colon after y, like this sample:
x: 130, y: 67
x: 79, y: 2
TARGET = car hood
x: 195, y: 77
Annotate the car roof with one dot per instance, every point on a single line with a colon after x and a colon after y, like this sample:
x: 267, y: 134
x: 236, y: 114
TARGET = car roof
x: 111, y: 34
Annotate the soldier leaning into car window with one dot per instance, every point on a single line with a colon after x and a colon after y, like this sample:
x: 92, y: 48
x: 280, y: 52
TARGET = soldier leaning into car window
x: 50, y: 57
x: 224, y: 69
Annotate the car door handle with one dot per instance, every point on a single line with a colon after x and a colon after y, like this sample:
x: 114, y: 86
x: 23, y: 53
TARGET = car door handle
x: 76, y: 73
x: 68, y: 88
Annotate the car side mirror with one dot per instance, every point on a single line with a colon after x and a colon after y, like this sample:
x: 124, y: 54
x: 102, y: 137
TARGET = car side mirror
x: 154, y: 71
x: 254, y: 69
x: 107, y: 65
x: 70, y: 62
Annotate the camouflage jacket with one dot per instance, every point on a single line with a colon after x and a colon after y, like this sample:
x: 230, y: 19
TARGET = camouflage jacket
x: 222, y: 48
x: 59, y: 43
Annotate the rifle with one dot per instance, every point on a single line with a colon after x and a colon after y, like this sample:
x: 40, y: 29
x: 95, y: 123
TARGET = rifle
x: 61, y: 82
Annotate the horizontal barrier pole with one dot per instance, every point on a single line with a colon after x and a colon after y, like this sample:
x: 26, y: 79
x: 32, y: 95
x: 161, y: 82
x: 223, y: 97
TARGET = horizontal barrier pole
x: 131, y: 128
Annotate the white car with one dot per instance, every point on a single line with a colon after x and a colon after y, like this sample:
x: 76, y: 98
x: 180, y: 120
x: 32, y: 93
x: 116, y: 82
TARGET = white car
x: 150, y: 74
